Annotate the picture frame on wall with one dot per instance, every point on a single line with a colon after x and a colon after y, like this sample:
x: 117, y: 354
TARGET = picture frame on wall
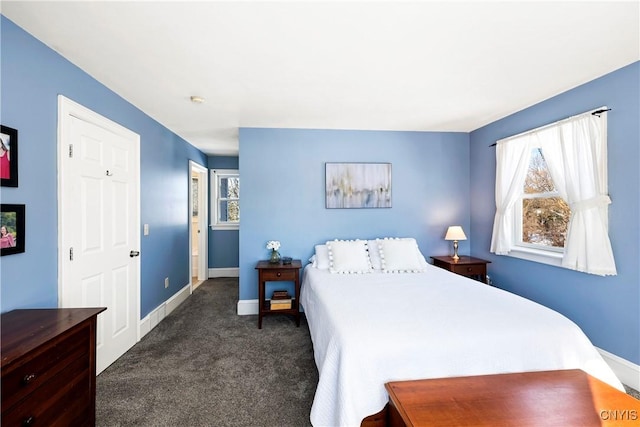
x: 357, y: 185
x: 8, y: 157
x: 12, y: 229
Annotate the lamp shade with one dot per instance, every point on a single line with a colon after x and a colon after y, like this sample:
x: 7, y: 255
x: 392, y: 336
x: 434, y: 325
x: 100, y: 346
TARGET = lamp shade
x: 455, y: 232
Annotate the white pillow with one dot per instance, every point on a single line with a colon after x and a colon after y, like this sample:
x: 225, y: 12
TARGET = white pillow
x: 401, y: 256
x: 374, y: 254
x: 321, y: 257
x: 348, y: 257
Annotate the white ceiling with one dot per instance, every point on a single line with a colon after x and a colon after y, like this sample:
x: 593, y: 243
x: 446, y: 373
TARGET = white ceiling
x: 440, y: 66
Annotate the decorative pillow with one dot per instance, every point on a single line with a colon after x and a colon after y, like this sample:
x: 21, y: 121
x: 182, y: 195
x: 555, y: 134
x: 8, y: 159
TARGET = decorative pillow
x: 401, y: 256
x: 321, y: 258
x: 374, y: 254
x: 348, y: 257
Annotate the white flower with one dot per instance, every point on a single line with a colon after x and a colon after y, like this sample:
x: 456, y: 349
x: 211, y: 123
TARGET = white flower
x: 273, y: 245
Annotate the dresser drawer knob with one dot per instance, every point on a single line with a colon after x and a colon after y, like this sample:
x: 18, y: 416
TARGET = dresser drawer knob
x: 28, y: 421
x: 279, y: 274
x: 27, y: 379
x: 469, y: 269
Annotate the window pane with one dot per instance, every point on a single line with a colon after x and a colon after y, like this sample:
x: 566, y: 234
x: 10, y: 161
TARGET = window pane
x: 544, y: 221
x: 229, y: 211
x: 230, y: 188
x: 223, y: 187
x: 233, y: 211
x: 233, y: 188
x: 538, y: 178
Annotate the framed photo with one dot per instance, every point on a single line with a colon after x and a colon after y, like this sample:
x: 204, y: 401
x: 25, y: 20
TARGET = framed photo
x: 357, y: 185
x: 8, y: 157
x: 11, y: 229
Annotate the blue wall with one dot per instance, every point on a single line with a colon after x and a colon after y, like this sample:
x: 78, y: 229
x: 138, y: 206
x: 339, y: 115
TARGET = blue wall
x: 32, y: 77
x: 224, y: 244
x: 283, y: 174
x: 606, y: 308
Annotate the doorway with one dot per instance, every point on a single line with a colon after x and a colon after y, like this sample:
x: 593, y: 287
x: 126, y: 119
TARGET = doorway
x: 198, y: 230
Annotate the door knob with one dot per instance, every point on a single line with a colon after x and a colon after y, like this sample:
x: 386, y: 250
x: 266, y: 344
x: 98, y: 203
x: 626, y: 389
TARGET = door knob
x: 134, y: 253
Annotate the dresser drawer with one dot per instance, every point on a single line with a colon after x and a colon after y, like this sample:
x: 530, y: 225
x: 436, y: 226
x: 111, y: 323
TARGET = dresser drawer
x: 63, y: 399
x: 279, y: 275
x: 469, y: 270
x: 47, y: 363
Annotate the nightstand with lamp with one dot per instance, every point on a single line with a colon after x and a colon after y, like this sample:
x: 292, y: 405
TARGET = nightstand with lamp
x: 474, y: 268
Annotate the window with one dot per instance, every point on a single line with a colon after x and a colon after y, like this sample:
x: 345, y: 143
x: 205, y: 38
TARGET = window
x: 551, y: 195
x: 541, y: 214
x: 225, y: 209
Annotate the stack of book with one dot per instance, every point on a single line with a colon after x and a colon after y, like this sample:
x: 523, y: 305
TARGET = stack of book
x: 280, y: 300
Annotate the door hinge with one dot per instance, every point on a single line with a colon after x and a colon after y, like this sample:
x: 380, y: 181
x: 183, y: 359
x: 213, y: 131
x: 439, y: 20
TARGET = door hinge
x: 71, y: 254
x: 70, y: 150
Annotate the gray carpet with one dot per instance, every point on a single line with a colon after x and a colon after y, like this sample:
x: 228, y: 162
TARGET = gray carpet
x: 204, y: 365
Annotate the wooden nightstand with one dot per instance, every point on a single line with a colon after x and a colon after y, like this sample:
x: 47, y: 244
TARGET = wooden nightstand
x: 268, y: 272
x: 474, y: 268
x: 563, y: 398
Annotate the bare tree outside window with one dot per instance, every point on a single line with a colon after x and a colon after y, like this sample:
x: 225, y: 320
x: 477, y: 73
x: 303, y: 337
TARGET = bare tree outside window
x: 232, y: 187
x: 545, y: 215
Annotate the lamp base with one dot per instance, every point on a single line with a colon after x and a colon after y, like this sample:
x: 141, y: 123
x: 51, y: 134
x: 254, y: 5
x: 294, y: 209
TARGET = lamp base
x: 455, y: 251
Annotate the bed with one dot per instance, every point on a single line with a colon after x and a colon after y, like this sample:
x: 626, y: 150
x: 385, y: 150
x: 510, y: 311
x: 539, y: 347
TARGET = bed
x: 373, y: 325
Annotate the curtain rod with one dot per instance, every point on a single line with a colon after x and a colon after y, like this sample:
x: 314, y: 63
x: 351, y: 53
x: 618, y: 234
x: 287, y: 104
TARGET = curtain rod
x: 593, y: 113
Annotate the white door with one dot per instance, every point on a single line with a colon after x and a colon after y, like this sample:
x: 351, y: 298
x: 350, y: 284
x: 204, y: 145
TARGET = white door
x: 99, y: 225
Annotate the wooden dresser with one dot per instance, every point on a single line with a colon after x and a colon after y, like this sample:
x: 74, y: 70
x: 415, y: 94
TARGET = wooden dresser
x: 49, y: 367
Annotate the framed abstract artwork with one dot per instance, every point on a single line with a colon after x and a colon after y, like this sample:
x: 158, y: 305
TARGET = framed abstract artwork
x: 357, y: 185
x: 11, y: 229
x: 8, y: 157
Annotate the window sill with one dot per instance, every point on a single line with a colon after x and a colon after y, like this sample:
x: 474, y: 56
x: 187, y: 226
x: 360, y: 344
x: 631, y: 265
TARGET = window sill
x: 225, y: 227
x: 536, y: 255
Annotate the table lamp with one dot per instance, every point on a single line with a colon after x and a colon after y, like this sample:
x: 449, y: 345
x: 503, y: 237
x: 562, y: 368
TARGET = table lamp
x: 455, y: 233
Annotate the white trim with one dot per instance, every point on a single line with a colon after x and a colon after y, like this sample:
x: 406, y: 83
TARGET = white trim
x: 536, y: 255
x: 152, y: 319
x: 247, y: 307
x: 203, y: 236
x: 224, y: 272
x: 627, y: 372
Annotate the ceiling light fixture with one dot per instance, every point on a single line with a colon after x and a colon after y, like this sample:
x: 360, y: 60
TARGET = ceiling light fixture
x: 197, y: 99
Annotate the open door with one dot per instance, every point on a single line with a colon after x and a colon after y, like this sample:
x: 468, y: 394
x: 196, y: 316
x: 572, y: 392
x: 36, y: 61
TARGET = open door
x: 198, y: 203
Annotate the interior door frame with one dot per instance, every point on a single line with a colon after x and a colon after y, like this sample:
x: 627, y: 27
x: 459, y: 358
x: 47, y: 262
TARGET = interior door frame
x: 66, y: 109
x: 203, y: 215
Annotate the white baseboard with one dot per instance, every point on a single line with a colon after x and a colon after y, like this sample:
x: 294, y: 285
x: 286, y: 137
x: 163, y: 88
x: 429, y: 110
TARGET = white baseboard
x: 247, y: 307
x: 627, y: 372
x: 224, y: 272
x: 152, y: 319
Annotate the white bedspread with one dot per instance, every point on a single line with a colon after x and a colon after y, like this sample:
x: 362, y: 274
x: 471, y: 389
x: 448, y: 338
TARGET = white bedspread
x: 369, y: 329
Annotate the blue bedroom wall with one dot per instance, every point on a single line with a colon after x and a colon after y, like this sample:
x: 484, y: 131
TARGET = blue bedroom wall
x: 606, y: 308
x: 223, y: 244
x: 283, y: 172
x: 32, y: 77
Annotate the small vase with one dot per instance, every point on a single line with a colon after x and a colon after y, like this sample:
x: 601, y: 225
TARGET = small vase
x: 275, y: 257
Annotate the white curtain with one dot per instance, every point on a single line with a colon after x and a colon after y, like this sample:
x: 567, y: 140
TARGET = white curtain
x: 576, y: 155
x: 512, y: 162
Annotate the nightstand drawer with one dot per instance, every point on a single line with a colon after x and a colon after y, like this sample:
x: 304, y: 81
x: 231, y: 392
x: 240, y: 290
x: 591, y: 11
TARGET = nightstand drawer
x: 469, y: 270
x: 279, y: 275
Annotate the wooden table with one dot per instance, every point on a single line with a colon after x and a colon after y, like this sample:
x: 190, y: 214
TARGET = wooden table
x: 566, y: 398
x: 280, y: 272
